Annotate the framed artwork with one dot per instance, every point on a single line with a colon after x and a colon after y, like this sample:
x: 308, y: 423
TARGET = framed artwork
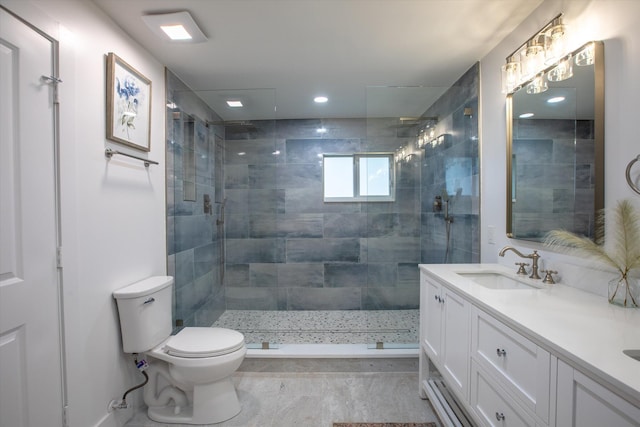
x: 128, y: 104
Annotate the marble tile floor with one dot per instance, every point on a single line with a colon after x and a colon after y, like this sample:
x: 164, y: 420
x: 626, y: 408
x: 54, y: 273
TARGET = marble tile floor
x: 324, y: 327
x: 317, y: 399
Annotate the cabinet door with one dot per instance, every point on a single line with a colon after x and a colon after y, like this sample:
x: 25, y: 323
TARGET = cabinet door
x: 455, y: 341
x: 584, y: 403
x: 433, y: 318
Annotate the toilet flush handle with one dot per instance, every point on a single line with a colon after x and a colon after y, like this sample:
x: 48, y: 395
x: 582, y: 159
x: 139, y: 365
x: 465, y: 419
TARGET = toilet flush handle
x: 149, y: 301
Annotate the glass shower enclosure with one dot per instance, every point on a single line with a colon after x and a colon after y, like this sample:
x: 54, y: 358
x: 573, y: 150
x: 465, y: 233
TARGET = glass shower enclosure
x: 256, y: 244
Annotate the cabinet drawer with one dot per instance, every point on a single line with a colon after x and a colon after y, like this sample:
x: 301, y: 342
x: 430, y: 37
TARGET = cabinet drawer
x: 493, y: 406
x: 519, y: 365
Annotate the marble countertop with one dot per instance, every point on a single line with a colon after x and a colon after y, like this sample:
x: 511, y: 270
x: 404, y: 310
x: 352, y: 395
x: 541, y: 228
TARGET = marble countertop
x: 578, y: 327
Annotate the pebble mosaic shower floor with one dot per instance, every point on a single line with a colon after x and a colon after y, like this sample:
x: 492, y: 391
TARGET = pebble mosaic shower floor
x: 324, y: 327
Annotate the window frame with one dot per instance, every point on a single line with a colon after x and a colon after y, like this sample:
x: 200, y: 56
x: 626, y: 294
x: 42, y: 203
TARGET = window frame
x: 357, y: 197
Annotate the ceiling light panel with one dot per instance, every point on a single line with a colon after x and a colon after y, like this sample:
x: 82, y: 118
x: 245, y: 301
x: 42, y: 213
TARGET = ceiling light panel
x: 175, y: 27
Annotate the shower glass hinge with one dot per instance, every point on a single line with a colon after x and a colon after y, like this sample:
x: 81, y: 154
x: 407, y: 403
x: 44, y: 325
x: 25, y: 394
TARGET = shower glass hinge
x: 265, y: 345
x: 379, y: 345
x: 59, y: 257
x: 65, y: 415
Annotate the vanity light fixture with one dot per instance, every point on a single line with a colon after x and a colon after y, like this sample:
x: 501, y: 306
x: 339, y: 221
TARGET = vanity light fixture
x: 320, y: 99
x: 175, y: 27
x: 539, y: 51
x: 554, y: 40
x: 321, y: 130
x: 234, y: 103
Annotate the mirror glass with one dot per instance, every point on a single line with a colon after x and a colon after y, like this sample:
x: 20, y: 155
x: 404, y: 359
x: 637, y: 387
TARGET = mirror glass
x: 555, y: 140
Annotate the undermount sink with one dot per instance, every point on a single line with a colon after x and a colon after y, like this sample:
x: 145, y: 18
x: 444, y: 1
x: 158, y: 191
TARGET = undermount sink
x: 634, y: 354
x: 495, y: 280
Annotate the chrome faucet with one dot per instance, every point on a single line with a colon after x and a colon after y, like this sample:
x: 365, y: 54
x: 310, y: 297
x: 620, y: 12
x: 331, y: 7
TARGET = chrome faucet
x: 534, y: 259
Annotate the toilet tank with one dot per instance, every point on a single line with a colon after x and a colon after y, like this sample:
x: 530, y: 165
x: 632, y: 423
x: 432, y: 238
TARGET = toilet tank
x: 144, y: 308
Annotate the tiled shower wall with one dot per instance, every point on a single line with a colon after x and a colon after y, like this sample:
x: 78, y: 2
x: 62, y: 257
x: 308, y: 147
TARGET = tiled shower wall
x: 193, y: 239
x: 288, y: 250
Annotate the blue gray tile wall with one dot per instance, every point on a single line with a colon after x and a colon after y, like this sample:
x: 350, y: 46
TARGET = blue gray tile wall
x: 299, y: 253
x: 193, y: 240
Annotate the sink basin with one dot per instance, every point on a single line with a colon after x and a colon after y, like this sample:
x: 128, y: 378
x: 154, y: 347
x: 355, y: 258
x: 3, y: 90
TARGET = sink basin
x: 634, y: 354
x: 493, y: 280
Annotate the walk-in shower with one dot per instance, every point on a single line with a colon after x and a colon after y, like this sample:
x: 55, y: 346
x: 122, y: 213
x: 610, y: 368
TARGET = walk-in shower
x: 279, y: 261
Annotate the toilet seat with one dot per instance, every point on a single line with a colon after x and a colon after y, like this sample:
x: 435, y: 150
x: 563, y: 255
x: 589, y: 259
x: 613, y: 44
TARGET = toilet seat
x: 195, y: 342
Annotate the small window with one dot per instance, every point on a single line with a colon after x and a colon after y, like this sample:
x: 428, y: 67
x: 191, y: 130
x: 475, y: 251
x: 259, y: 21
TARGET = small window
x: 367, y: 177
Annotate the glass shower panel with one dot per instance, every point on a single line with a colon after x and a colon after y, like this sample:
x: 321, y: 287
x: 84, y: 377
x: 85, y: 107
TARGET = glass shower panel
x: 248, y: 214
x: 418, y: 124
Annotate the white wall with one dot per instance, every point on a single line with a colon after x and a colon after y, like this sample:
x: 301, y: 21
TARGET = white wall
x: 113, y: 212
x: 615, y: 23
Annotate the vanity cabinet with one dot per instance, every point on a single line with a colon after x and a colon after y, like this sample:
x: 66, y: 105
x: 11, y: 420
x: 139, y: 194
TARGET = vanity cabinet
x: 582, y: 402
x: 502, y: 373
x: 446, y: 334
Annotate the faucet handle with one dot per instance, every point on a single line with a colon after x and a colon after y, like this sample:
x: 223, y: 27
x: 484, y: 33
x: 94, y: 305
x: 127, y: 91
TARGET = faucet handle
x: 548, y: 278
x: 521, y: 269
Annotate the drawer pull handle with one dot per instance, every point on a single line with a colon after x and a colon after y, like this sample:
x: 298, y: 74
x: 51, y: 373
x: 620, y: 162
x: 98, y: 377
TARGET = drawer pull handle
x: 501, y: 352
x: 499, y: 416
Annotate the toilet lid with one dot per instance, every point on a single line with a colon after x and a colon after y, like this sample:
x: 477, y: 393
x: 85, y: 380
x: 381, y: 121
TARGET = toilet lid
x: 204, y: 342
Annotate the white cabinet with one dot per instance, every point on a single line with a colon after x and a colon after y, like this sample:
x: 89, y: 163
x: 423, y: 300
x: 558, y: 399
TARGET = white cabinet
x: 513, y: 362
x: 446, y: 334
x: 498, y: 375
x: 582, y: 402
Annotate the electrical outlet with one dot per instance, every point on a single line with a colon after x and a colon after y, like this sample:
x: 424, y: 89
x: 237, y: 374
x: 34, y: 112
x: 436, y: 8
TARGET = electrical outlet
x: 491, y: 234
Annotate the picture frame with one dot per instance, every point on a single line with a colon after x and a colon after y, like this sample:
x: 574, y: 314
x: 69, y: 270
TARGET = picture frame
x: 128, y: 104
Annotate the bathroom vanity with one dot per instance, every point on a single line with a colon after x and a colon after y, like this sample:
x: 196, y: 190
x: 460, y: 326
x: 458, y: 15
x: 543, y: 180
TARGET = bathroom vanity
x: 499, y: 349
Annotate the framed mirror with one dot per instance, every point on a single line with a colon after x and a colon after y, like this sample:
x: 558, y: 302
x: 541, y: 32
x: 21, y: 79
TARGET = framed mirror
x: 555, y: 147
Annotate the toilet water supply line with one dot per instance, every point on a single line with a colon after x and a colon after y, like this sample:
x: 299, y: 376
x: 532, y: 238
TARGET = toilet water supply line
x: 142, y: 367
x: 168, y: 393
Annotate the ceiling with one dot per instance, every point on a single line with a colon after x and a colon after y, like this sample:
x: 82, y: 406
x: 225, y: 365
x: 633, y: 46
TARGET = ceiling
x: 371, y: 58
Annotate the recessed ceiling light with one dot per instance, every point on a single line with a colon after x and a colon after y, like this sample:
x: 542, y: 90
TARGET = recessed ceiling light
x: 320, y: 99
x: 555, y: 99
x: 234, y: 104
x: 526, y: 115
x: 175, y: 27
x: 176, y: 32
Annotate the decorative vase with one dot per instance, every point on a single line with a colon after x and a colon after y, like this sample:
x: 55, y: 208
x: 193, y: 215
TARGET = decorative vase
x: 625, y: 291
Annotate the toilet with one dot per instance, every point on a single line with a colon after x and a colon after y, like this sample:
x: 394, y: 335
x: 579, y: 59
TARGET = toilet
x: 190, y: 372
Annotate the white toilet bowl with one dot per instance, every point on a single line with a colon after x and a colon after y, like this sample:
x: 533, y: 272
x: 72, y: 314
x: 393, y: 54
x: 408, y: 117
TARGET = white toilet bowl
x: 200, y: 362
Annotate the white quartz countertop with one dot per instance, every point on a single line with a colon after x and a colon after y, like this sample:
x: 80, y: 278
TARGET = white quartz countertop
x: 581, y: 328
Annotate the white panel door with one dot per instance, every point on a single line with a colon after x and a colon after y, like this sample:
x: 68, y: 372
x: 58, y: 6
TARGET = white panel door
x: 30, y: 367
